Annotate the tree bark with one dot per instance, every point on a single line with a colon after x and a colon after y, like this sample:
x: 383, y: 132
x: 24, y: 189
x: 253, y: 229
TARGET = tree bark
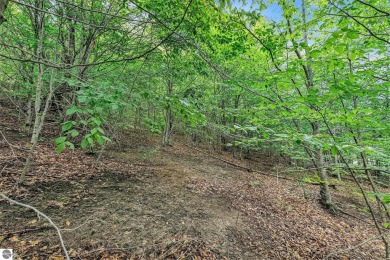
x: 325, y: 196
x: 39, y: 112
x: 168, y: 117
x: 3, y: 7
x: 38, y: 94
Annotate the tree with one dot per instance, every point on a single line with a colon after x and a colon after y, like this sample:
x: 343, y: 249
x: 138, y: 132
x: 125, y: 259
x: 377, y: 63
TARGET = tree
x: 3, y: 7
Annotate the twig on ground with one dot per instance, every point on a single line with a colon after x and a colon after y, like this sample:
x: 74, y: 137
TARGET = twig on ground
x: 43, y: 215
x: 357, y: 246
x: 79, y: 226
x: 5, y: 166
x: 355, y: 217
x: 24, y: 231
x: 10, y: 145
x: 246, y: 168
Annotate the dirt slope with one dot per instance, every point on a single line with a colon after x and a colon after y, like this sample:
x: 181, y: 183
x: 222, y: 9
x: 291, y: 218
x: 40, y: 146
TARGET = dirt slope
x: 148, y: 202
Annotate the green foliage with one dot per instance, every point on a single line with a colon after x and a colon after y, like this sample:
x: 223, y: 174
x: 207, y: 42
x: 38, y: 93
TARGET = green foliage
x: 385, y: 197
x: 153, y: 125
x: 61, y: 143
x: 230, y: 76
x: 95, y: 104
x: 228, y: 67
x: 96, y: 134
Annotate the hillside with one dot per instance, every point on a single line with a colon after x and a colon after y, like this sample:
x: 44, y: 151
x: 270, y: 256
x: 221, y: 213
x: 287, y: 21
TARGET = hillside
x: 147, y: 202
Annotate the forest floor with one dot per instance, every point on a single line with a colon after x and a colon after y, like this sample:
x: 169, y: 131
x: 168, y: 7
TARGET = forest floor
x: 144, y: 201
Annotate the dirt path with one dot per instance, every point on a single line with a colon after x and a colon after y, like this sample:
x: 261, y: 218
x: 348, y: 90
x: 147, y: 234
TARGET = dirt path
x: 162, y: 200
x: 147, y: 202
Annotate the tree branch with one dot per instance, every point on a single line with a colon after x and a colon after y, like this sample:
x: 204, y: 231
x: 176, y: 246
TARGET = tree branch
x: 360, y: 23
x: 374, y: 7
x: 43, y: 215
x: 357, y: 246
x: 173, y: 31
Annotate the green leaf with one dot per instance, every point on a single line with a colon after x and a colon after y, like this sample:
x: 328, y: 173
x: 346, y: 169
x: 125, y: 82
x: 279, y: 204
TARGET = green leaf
x: 100, y: 140
x: 315, y: 53
x: 71, y: 110
x: 97, y: 121
x: 106, y: 138
x: 74, y: 133
x: 334, y: 150
x: 82, y: 99
x: 71, y: 145
x: 100, y: 130
x: 84, y: 143
x: 339, y: 49
x: 59, y: 140
x: 66, y: 126
x: 352, y: 35
x: 60, y: 147
x: 90, y: 140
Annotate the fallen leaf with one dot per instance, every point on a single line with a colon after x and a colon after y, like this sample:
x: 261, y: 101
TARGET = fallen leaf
x: 14, y: 239
x: 53, y: 203
x: 56, y: 257
x: 72, y: 253
x: 33, y: 221
x: 34, y: 242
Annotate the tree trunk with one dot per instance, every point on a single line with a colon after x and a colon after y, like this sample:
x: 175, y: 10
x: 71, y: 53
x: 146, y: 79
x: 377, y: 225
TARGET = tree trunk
x: 325, y: 196
x: 29, y: 113
x: 39, y: 114
x: 3, y: 7
x: 358, y: 140
x: 38, y: 94
x: 168, y: 117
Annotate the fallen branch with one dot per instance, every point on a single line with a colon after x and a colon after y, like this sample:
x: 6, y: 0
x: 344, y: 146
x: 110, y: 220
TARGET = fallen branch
x: 43, y: 215
x: 333, y: 186
x: 10, y: 146
x: 86, y: 222
x: 340, y: 210
x: 252, y: 170
x: 149, y: 165
x: 24, y: 231
x: 5, y: 166
x: 231, y: 163
x: 357, y: 246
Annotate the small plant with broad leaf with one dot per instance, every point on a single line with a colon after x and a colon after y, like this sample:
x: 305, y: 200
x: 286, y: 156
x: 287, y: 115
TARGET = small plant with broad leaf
x: 95, y: 135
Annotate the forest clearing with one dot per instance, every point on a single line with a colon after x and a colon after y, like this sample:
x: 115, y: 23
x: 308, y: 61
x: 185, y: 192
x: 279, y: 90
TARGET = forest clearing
x: 194, y: 129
